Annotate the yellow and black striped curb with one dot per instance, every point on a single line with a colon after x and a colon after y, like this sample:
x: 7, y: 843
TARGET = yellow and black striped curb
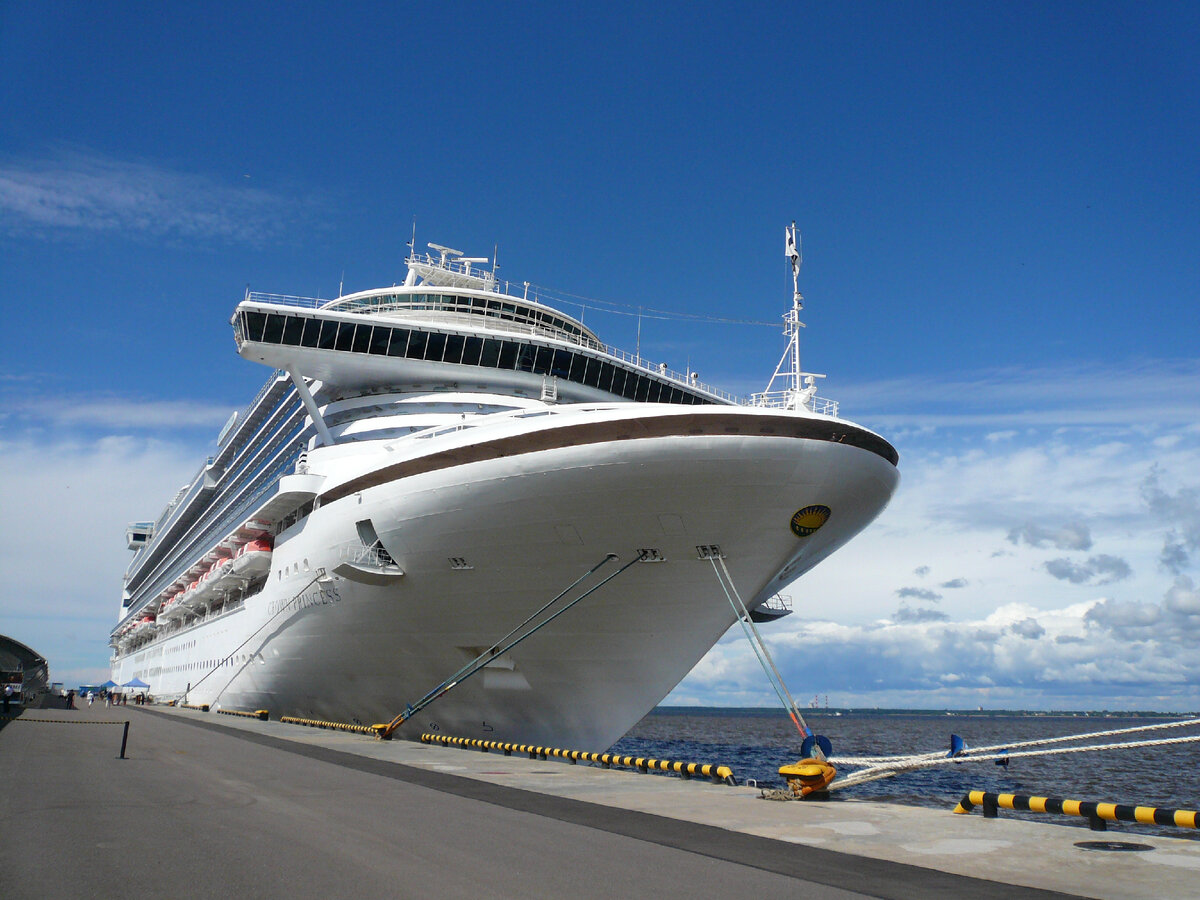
x: 202, y: 707
x: 1096, y: 813
x: 719, y: 774
x: 331, y: 726
x: 63, y: 721
x: 256, y: 714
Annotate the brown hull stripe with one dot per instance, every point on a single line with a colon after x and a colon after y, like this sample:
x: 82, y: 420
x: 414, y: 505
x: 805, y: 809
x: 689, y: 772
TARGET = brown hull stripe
x: 687, y: 425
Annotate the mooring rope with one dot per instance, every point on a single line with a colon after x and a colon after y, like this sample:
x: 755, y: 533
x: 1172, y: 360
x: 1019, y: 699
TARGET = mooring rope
x: 763, y: 654
x: 901, y: 765
x: 973, y: 752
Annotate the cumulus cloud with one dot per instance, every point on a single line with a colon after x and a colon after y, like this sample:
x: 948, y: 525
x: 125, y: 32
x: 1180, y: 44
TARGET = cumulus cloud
x: 1181, y: 512
x: 1098, y: 570
x: 1017, y: 656
x: 1028, y: 628
x: 921, y: 571
x: 954, y: 584
x: 74, y: 191
x: 1073, y: 536
x: 1182, y: 599
x: 907, y: 614
x: 913, y: 593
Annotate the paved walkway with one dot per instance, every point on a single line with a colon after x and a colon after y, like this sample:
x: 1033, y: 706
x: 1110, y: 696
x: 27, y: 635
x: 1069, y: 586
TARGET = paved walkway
x: 209, y: 805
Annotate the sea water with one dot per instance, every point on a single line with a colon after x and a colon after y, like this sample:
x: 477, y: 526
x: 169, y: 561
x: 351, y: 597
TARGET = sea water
x: 755, y: 743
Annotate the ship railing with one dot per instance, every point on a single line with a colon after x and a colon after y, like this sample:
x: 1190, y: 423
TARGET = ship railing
x: 356, y: 552
x: 778, y: 603
x: 783, y: 400
x: 285, y: 299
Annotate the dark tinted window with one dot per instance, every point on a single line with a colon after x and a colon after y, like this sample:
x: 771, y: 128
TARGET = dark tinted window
x: 544, y: 361
x: 399, y: 342
x: 516, y: 356
x: 328, y: 336
x: 618, y: 382
x: 362, y: 338
x: 416, y: 345
x: 436, y: 346
x: 655, y: 391
x: 643, y: 388
x: 293, y: 327
x: 578, y: 367
x: 561, y: 366
x: 491, y: 354
x: 379, y: 339
x: 274, y: 330
x: 454, y: 348
x: 312, y: 331
x: 254, y: 325
x: 606, y: 376
x: 345, y: 336
x: 592, y: 377
x: 472, y: 351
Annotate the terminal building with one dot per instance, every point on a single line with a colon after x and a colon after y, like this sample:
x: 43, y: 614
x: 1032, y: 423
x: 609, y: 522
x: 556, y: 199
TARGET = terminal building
x: 24, y: 670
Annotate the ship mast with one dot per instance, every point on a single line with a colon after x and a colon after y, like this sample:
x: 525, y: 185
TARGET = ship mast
x: 799, y: 386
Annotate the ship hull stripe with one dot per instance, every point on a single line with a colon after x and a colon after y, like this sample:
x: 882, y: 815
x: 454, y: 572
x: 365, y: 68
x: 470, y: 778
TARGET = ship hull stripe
x: 729, y: 425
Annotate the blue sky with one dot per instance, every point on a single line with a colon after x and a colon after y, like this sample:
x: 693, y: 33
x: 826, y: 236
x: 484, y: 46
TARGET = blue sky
x: 1000, y: 210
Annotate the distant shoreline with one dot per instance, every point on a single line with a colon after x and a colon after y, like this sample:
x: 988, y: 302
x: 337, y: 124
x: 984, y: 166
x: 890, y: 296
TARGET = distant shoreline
x: 876, y: 711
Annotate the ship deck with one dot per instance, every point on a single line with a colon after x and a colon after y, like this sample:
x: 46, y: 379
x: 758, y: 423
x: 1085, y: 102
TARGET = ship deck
x: 208, y: 805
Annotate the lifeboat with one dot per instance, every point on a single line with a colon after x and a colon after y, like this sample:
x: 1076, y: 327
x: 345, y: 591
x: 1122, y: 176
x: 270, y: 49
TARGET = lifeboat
x: 189, y: 596
x: 204, y: 589
x: 221, y: 574
x: 172, y: 609
x: 252, y: 559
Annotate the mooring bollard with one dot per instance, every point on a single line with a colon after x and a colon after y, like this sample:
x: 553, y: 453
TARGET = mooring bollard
x: 124, y: 738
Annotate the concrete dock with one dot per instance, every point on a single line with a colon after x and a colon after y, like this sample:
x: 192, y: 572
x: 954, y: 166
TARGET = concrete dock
x: 211, y: 805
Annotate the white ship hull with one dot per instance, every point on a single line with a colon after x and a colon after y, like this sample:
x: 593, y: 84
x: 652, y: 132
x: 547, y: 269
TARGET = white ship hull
x: 520, y: 529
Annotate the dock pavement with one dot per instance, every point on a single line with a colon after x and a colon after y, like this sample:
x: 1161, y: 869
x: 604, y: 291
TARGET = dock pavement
x: 206, y: 805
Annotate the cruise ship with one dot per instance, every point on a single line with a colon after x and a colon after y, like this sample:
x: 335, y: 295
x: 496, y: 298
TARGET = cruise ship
x: 451, y: 477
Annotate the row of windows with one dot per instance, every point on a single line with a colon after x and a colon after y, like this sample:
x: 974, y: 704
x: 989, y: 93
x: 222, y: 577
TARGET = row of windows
x: 482, y: 306
x: 459, y: 349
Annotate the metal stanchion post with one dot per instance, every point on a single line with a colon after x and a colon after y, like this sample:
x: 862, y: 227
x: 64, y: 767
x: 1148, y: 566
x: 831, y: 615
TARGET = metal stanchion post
x: 124, y: 738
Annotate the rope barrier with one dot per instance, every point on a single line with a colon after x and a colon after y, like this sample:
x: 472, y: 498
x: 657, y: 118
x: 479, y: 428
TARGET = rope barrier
x: 260, y: 714
x: 330, y: 726
x: 719, y: 774
x: 1096, y: 813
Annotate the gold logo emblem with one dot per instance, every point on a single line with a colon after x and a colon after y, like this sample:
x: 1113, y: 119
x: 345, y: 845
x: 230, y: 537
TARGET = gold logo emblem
x: 809, y: 519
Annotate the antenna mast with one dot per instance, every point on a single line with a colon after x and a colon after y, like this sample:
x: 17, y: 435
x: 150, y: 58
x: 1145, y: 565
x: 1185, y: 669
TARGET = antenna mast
x: 799, y: 386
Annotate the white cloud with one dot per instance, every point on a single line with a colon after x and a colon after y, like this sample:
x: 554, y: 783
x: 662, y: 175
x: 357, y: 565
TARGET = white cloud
x: 1072, y: 536
x: 118, y: 413
x: 1008, y: 401
x: 62, y: 537
x: 1014, y: 635
x: 74, y: 191
x: 1098, y: 570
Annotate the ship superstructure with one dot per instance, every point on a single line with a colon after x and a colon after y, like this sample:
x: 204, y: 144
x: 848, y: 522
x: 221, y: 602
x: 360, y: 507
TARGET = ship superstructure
x: 430, y: 462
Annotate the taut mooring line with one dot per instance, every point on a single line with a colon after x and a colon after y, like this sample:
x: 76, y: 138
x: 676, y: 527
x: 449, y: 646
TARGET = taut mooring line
x: 764, y: 655
x: 479, y: 662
